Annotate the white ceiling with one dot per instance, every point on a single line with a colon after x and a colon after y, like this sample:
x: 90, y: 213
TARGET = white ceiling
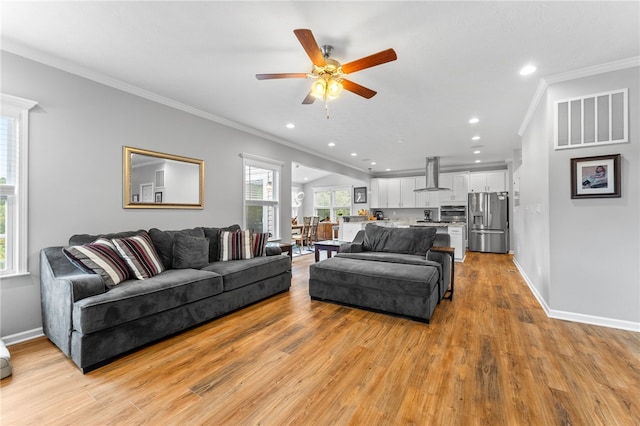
x: 455, y: 60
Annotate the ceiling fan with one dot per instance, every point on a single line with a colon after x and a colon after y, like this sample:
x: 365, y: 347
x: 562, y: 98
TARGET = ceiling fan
x: 328, y: 73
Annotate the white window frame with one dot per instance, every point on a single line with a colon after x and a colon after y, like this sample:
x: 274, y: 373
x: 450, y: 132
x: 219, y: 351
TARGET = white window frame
x: 17, y: 195
x: 333, y: 207
x: 250, y: 160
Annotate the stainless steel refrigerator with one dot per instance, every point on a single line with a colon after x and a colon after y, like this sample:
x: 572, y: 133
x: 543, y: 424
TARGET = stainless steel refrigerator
x: 488, y: 222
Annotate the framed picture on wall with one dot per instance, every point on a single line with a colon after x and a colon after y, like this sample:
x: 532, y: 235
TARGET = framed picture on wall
x: 360, y: 195
x: 596, y: 177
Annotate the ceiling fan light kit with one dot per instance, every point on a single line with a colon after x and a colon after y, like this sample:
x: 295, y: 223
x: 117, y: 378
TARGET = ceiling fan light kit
x: 329, y: 73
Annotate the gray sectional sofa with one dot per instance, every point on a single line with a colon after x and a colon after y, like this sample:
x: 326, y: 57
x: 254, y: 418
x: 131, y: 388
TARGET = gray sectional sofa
x: 391, y: 270
x: 92, y: 322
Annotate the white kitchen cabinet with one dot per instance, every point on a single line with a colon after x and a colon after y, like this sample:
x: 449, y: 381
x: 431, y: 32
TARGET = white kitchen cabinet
x: 457, y: 234
x: 425, y: 198
x: 495, y: 181
x: 379, y: 193
x: 458, y: 184
x: 407, y: 194
x: 348, y: 230
x: 393, y: 192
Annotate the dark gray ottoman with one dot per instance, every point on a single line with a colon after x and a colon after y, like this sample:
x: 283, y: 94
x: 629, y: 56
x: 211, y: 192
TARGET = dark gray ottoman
x: 396, y: 288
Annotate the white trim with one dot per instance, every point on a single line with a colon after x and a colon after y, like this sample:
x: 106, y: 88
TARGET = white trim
x: 573, y: 316
x: 23, y: 336
x: 595, y: 320
x: 19, y: 108
x: 533, y: 105
x: 634, y: 61
x: 256, y: 159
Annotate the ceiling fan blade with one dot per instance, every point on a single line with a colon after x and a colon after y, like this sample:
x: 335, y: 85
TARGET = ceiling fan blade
x: 358, y: 89
x: 308, y: 42
x: 370, y: 61
x: 309, y: 99
x: 281, y: 75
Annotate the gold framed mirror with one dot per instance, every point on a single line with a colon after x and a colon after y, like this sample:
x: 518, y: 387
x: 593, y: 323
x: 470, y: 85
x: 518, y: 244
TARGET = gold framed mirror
x: 156, y: 180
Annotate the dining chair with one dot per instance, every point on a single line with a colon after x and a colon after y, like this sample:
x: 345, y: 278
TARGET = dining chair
x: 302, y: 239
x: 313, y: 231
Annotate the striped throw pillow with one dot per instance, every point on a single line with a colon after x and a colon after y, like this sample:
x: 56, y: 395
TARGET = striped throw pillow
x: 236, y: 245
x: 260, y: 243
x: 100, y: 257
x: 140, y: 254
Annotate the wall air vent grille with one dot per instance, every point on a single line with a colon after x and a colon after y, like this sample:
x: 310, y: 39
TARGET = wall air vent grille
x: 591, y: 120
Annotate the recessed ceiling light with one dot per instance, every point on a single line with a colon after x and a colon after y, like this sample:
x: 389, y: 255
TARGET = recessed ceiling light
x: 387, y: 170
x: 290, y: 125
x: 331, y: 144
x: 306, y: 178
x: 474, y: 120
x: 373, y: 163
x: 477, y: 161
x: 354, y: 154
x: 400, y: 141
x: 528, y: 69
x: 476, y: 152
x: 475, y: 138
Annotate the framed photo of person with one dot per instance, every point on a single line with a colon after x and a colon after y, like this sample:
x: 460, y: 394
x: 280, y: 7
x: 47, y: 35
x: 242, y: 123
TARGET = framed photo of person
x: 596, y: 177
x: 360, y: 195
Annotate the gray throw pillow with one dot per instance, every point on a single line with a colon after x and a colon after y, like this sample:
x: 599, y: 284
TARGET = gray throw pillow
x: 399, y: 240
x: 163, y: 241
x: 190, y: 252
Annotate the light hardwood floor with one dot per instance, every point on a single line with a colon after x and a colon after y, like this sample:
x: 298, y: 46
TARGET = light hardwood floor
x: 489, y: 357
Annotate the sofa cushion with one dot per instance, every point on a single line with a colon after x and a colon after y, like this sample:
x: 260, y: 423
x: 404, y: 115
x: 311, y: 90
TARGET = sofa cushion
x: 140, y: 254
x: 137, y: 299
x: 239, y: 273
x: 99, y: 257
x: 398, y: 240
x: 236, y: 245
x: 163, y: 242
x: 418, y: 280
x: 408, y: 259
x: 190, y: 252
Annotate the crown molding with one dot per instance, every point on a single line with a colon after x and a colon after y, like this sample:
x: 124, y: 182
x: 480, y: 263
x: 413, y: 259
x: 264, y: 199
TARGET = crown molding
x: 572, y: 75
x: 73, y: 68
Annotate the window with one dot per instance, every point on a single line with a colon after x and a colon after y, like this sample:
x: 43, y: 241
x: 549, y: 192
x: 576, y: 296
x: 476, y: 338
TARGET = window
x: 332, y: 202
x: 262, y: 195
x: 14, y: 125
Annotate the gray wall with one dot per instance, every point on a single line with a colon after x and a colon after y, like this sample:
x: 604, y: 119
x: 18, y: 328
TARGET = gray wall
x: 593, y: 245
x: 75, y: 168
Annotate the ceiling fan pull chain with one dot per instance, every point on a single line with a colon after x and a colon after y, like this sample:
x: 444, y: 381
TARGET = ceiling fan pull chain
x: 326, y: 108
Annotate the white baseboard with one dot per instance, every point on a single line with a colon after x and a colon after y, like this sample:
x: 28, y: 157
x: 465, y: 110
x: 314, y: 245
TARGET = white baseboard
x: 23, y: 336
x: 576, y: 317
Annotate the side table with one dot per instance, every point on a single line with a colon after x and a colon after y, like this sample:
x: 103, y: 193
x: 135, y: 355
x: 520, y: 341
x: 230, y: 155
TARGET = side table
x: 327, y: 245
x: 285, y: 247
x: 288, y: 248
x: 451, y: 252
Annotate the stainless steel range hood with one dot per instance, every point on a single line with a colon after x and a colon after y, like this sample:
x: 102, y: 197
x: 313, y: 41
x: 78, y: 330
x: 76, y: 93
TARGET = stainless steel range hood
x: 433, y: 175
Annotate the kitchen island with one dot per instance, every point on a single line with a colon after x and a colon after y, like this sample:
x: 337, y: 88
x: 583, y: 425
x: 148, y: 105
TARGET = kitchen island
x: 457, y: 231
